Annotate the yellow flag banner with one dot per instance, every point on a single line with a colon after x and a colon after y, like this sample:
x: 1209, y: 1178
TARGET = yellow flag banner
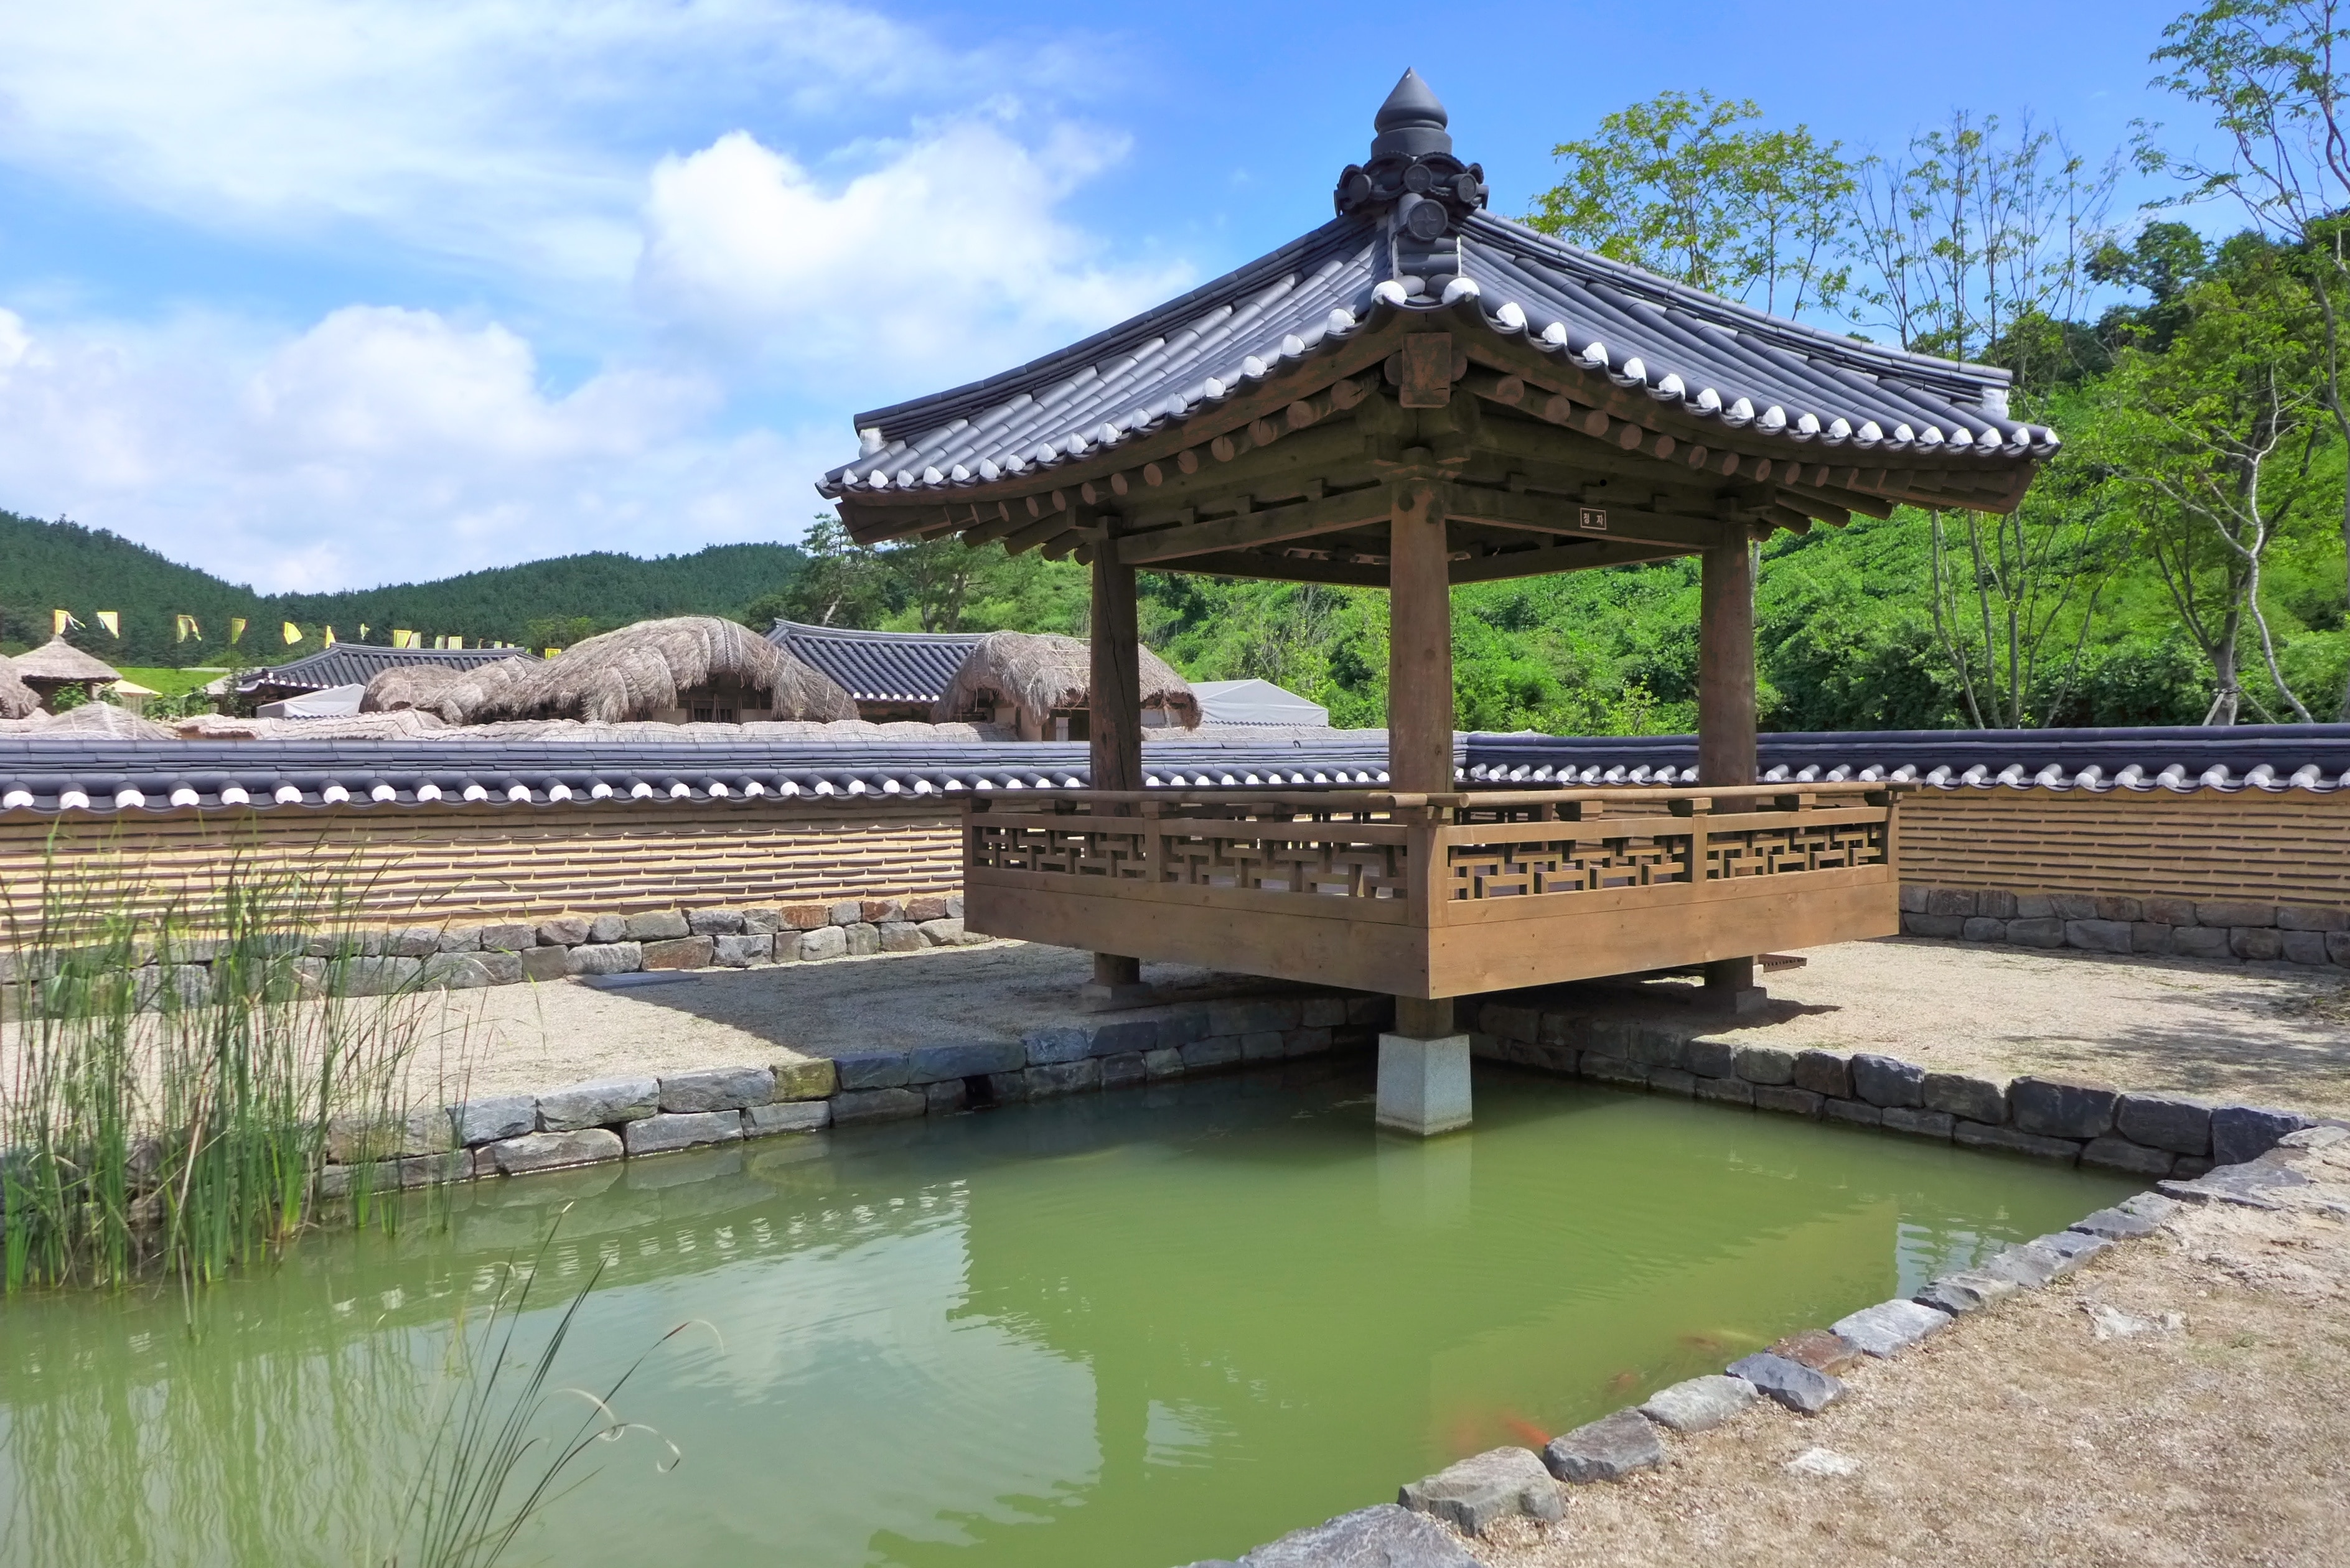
x: 402, y: 638
x: 61, y: 619
x: 362, y: 631
x: 235, y: 629
x: 330, y: 637
x: 184, y: 626
x: 111, y: 620
x: 291, y: 632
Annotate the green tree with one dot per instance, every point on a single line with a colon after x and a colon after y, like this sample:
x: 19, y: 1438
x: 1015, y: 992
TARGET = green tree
x: 1679, y: 185
x: 2270, y: 74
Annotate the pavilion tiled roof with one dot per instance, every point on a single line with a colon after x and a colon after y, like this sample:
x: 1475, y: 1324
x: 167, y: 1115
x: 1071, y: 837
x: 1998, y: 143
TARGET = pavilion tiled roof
x: 879, y: 666
x: 103, y: 776
x: 1813, y: 392
x: 357, y: 663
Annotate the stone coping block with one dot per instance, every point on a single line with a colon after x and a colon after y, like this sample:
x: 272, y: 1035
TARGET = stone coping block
x: 787, y: 1116
x: 1891, y: 1327
x: 2173, y: 1122
x: 806, y: 1078
x: 2115, y: 1224
x: 1386, y: 1536
x: 874, y: 1070
x: 1887, y: 1081
x: 1791, y: 1383
x: 685, y: 1129
x: 973, y: 1059
x: 2059, y: 1107
x: 2250, y: 1185
x: 554, y: 1150
x: 1480, y: 1491
x: 1700, y: 1404
x: 2114, y: 1152
x: 1821, y: 1349
x: 498, y: 1117
x: 2244, y: 1133
x: 1968, y: 1290
x: 1607, y: 1449
x: 599, y: 1103
x: 718, y: 1089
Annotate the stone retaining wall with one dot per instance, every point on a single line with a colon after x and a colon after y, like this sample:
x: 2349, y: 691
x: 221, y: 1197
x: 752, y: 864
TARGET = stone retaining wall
x: 617, y: 1119
x: 2238, y: 930
x: 456, y: 958
x: 2153, y: 1135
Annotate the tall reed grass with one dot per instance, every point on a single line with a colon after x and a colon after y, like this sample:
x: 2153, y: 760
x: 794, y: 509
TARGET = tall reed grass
x: 172, y: 1065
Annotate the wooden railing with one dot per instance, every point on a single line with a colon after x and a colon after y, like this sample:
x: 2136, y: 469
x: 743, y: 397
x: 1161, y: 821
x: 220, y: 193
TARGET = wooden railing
x: 1437, y: 895
x: 1402, y: 850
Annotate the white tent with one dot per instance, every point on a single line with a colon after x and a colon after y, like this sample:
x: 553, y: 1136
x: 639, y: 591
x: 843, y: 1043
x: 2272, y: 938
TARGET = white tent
x: 1255, y: 702
x: 334, y: 702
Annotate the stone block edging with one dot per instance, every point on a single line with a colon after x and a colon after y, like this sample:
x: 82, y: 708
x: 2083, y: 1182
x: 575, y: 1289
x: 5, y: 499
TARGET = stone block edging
x: 2149, y: 1135
x: 376, y: 962
x: 2224, y: 930
x: 624, y: 1117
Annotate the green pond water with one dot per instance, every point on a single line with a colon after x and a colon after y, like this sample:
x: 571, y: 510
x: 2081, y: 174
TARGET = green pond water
x: 1117, y: 1331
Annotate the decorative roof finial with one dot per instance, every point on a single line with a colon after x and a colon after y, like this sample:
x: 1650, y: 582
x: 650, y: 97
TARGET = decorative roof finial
x: 1412, y: 123
x: 1411, y: 165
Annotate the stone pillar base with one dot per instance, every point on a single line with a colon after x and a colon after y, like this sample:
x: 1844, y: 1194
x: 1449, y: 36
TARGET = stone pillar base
x: 1423, y: 1083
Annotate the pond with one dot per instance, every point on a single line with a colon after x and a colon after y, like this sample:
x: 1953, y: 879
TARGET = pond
x: 1115, y: 1331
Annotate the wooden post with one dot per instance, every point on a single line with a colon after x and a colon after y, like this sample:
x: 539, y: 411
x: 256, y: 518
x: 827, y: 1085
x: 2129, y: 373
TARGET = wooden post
x: 1420, y: 645
x: 1725, y: 713
x: 1114, y: 718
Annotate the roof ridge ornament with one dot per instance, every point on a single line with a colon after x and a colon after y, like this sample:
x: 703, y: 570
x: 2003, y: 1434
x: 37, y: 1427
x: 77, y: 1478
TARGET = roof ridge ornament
x: 1412, y: 169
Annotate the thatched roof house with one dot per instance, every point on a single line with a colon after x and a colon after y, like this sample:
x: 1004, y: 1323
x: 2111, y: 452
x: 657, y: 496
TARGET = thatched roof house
x: 16, y: 698
x: 692, y: 669
x: 450, y: 692
x: 1042, y: 684
x: 58, y: 663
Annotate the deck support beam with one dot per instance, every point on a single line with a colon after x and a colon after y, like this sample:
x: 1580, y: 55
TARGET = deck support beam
x: 1114, y: 732
x: 1725, y: 718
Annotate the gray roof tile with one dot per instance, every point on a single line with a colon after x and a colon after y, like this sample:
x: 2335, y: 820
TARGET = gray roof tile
x: 879, y: 665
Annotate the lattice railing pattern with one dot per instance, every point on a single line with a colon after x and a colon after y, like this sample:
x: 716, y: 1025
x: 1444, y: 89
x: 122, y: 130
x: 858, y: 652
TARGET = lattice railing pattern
x: 1798, y: 847
x: 1192, y: 853
x: 1501, y: 871
x: 1254, y: 851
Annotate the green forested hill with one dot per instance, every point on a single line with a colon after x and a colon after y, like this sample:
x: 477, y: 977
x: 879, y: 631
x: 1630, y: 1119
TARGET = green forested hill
x: 46, y: 567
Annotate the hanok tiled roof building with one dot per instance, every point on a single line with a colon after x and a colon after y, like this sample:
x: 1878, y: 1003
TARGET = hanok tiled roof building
x: 892, y: 676
x: 1417, y: 394
x: 357, y: 663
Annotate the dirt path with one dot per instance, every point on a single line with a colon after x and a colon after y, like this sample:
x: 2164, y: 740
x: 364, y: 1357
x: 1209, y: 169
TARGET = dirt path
x: 2019, y: 1437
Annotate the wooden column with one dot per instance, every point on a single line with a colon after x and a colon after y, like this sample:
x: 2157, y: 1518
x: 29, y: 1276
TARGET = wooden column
x: 1725, y: 710
x: 1420, y: 685
x: 1114, y: 716
x: 1420, y: 645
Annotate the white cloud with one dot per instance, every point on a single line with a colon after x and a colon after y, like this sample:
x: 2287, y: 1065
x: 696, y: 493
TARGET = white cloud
x: 378, y: 445
x: 947, y: 261
x: 509, y: 132
x: 797, y: 258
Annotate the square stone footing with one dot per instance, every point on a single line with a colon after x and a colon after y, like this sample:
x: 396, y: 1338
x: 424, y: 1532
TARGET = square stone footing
x: 1745, y: 1000
x: 1095, y: 997
x: 1423, y: 1083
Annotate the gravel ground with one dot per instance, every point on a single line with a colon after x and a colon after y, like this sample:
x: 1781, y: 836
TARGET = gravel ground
x: 525, y: 1037
x: 2019, y: 1437
x: 2266, y: 1034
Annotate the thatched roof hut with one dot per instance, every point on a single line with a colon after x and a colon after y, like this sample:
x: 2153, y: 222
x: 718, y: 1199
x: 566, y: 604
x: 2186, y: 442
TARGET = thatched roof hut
x: 692, y: 669
x: 450, y: 692
x: 57, y: 663
x: 16, y: 698
x: 1044, y: 684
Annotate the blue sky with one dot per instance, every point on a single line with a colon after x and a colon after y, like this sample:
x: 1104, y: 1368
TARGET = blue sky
x: 327, y: 293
